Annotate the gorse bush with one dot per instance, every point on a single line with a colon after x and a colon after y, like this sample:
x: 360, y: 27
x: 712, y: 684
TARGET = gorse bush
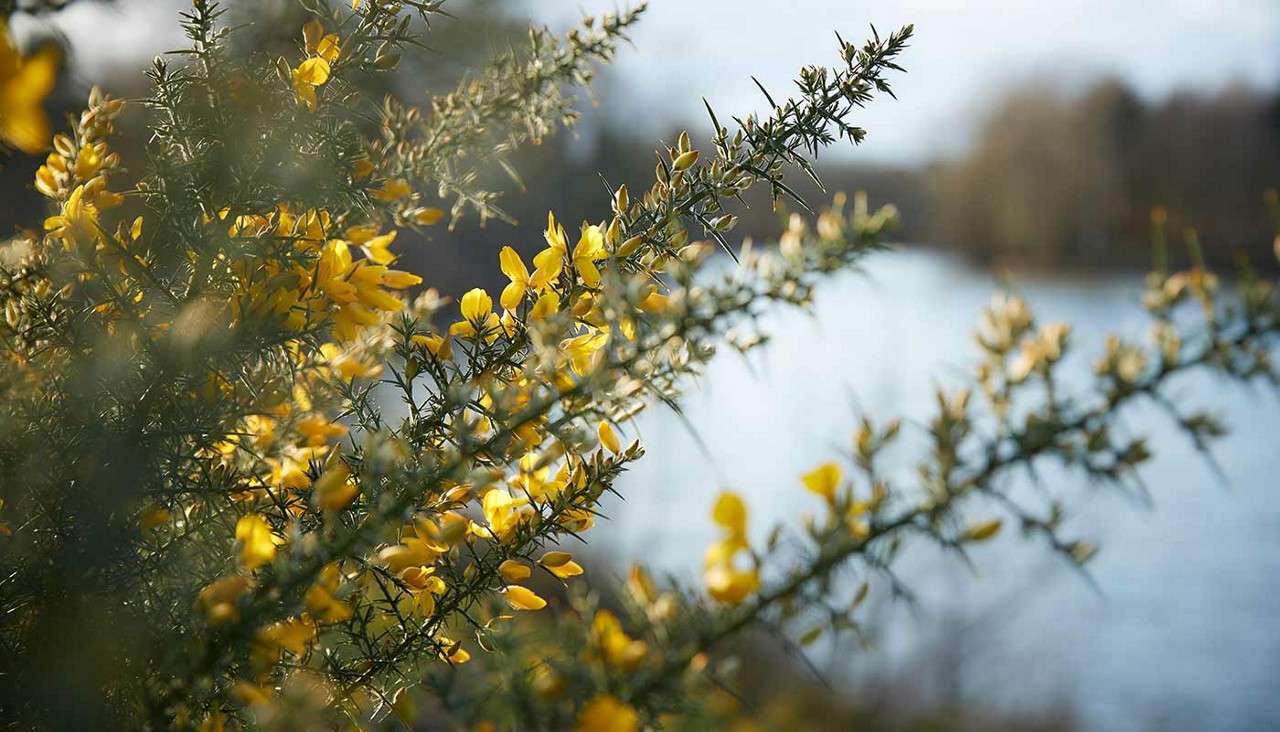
x: 249, y: 481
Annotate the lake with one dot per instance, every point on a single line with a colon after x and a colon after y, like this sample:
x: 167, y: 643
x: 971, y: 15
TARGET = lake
x: 1183, y: 628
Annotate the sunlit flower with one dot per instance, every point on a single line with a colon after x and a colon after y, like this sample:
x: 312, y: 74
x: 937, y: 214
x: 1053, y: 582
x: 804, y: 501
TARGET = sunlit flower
x: 590, y: 249
x: 315, y: 70
x: 477, y: 316
x: 77, y: 226
x: 609, y: 439
x: 514, y: 269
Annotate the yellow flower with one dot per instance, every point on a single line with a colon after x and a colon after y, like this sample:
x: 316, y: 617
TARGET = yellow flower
x: 306, y: 77
x: 522, y: 598
x: 615, y: 646
x: 321, y: 601
x: 218, y: 599
x: 730, y: 513
x: 318, y: 43
x: 513, y: 570
x: 285, y: 635
x: 454, y: 652
x: 362, y: 168
x: 376, y: 248
x: 502, y: 511
x: 566, y: 570
x: 398, y: 280
x: 426, y: 216
x: 823, y: 480
x: 393, y: 190
x: 152, y: 516
x: 334, y: 490
x: 725, y: 580
x: 549, y: 262
x: 555, y: 558
x: 731, y: 585
x: 257, y: 543
x: 654, y: 302
x: 77, y: 225
x: 609, y: 439
x: 477, y: 316
x: 319, y: 430
x: 251, y: 694
x: 590, y: 249
x: 24, y: 83
x: 548, y: 304
x: 606, y: 713
x: 582, y: 350
x: 322, y: 52
x: 514, y: 269
x: 436, y: 345
x: 350, y: 366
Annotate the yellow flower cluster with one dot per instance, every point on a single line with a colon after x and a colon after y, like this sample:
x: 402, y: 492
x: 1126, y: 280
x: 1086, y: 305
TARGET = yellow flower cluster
x: 323, y: 50
x: 75, y: 174
x: 323, y: 281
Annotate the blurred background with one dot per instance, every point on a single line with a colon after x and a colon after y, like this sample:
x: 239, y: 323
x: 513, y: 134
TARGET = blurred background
x: 1029, y: 144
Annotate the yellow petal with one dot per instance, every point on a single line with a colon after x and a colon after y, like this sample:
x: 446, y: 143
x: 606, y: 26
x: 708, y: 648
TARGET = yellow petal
x: 393, y: 190
x: 548, y: 304
x: 312, y: 32
x: 566, y: 570
x: 555, y: 558
x: 314, y: 72
x: 257, y: 546
x: 731, y: 586
x: 399, y: 280
x: 512, y: 294
x: 513, y: 570
x: 476, y: 305
x: 608, y: 438
x: 328, y: 48
x: 305, y: 93
x: 333, y: 491
x: 588, y: 271
x: 362, y: 168
x: 522, y: 598
x: 36, y: 77
x: 590, y: 244
x: 427, y: 216
x: 512, y: 266
x: 823, y: 480
x: 26, y: 129
x: 730, y: 513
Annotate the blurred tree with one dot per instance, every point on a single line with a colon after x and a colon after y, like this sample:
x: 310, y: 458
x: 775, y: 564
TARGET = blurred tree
x: 1070, y: 179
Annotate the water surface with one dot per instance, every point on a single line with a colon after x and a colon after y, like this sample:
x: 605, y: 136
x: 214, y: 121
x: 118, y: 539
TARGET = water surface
x: 1183, y: 629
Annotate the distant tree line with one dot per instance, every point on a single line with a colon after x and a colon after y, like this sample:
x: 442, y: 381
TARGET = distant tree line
x: 1071, y: 179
